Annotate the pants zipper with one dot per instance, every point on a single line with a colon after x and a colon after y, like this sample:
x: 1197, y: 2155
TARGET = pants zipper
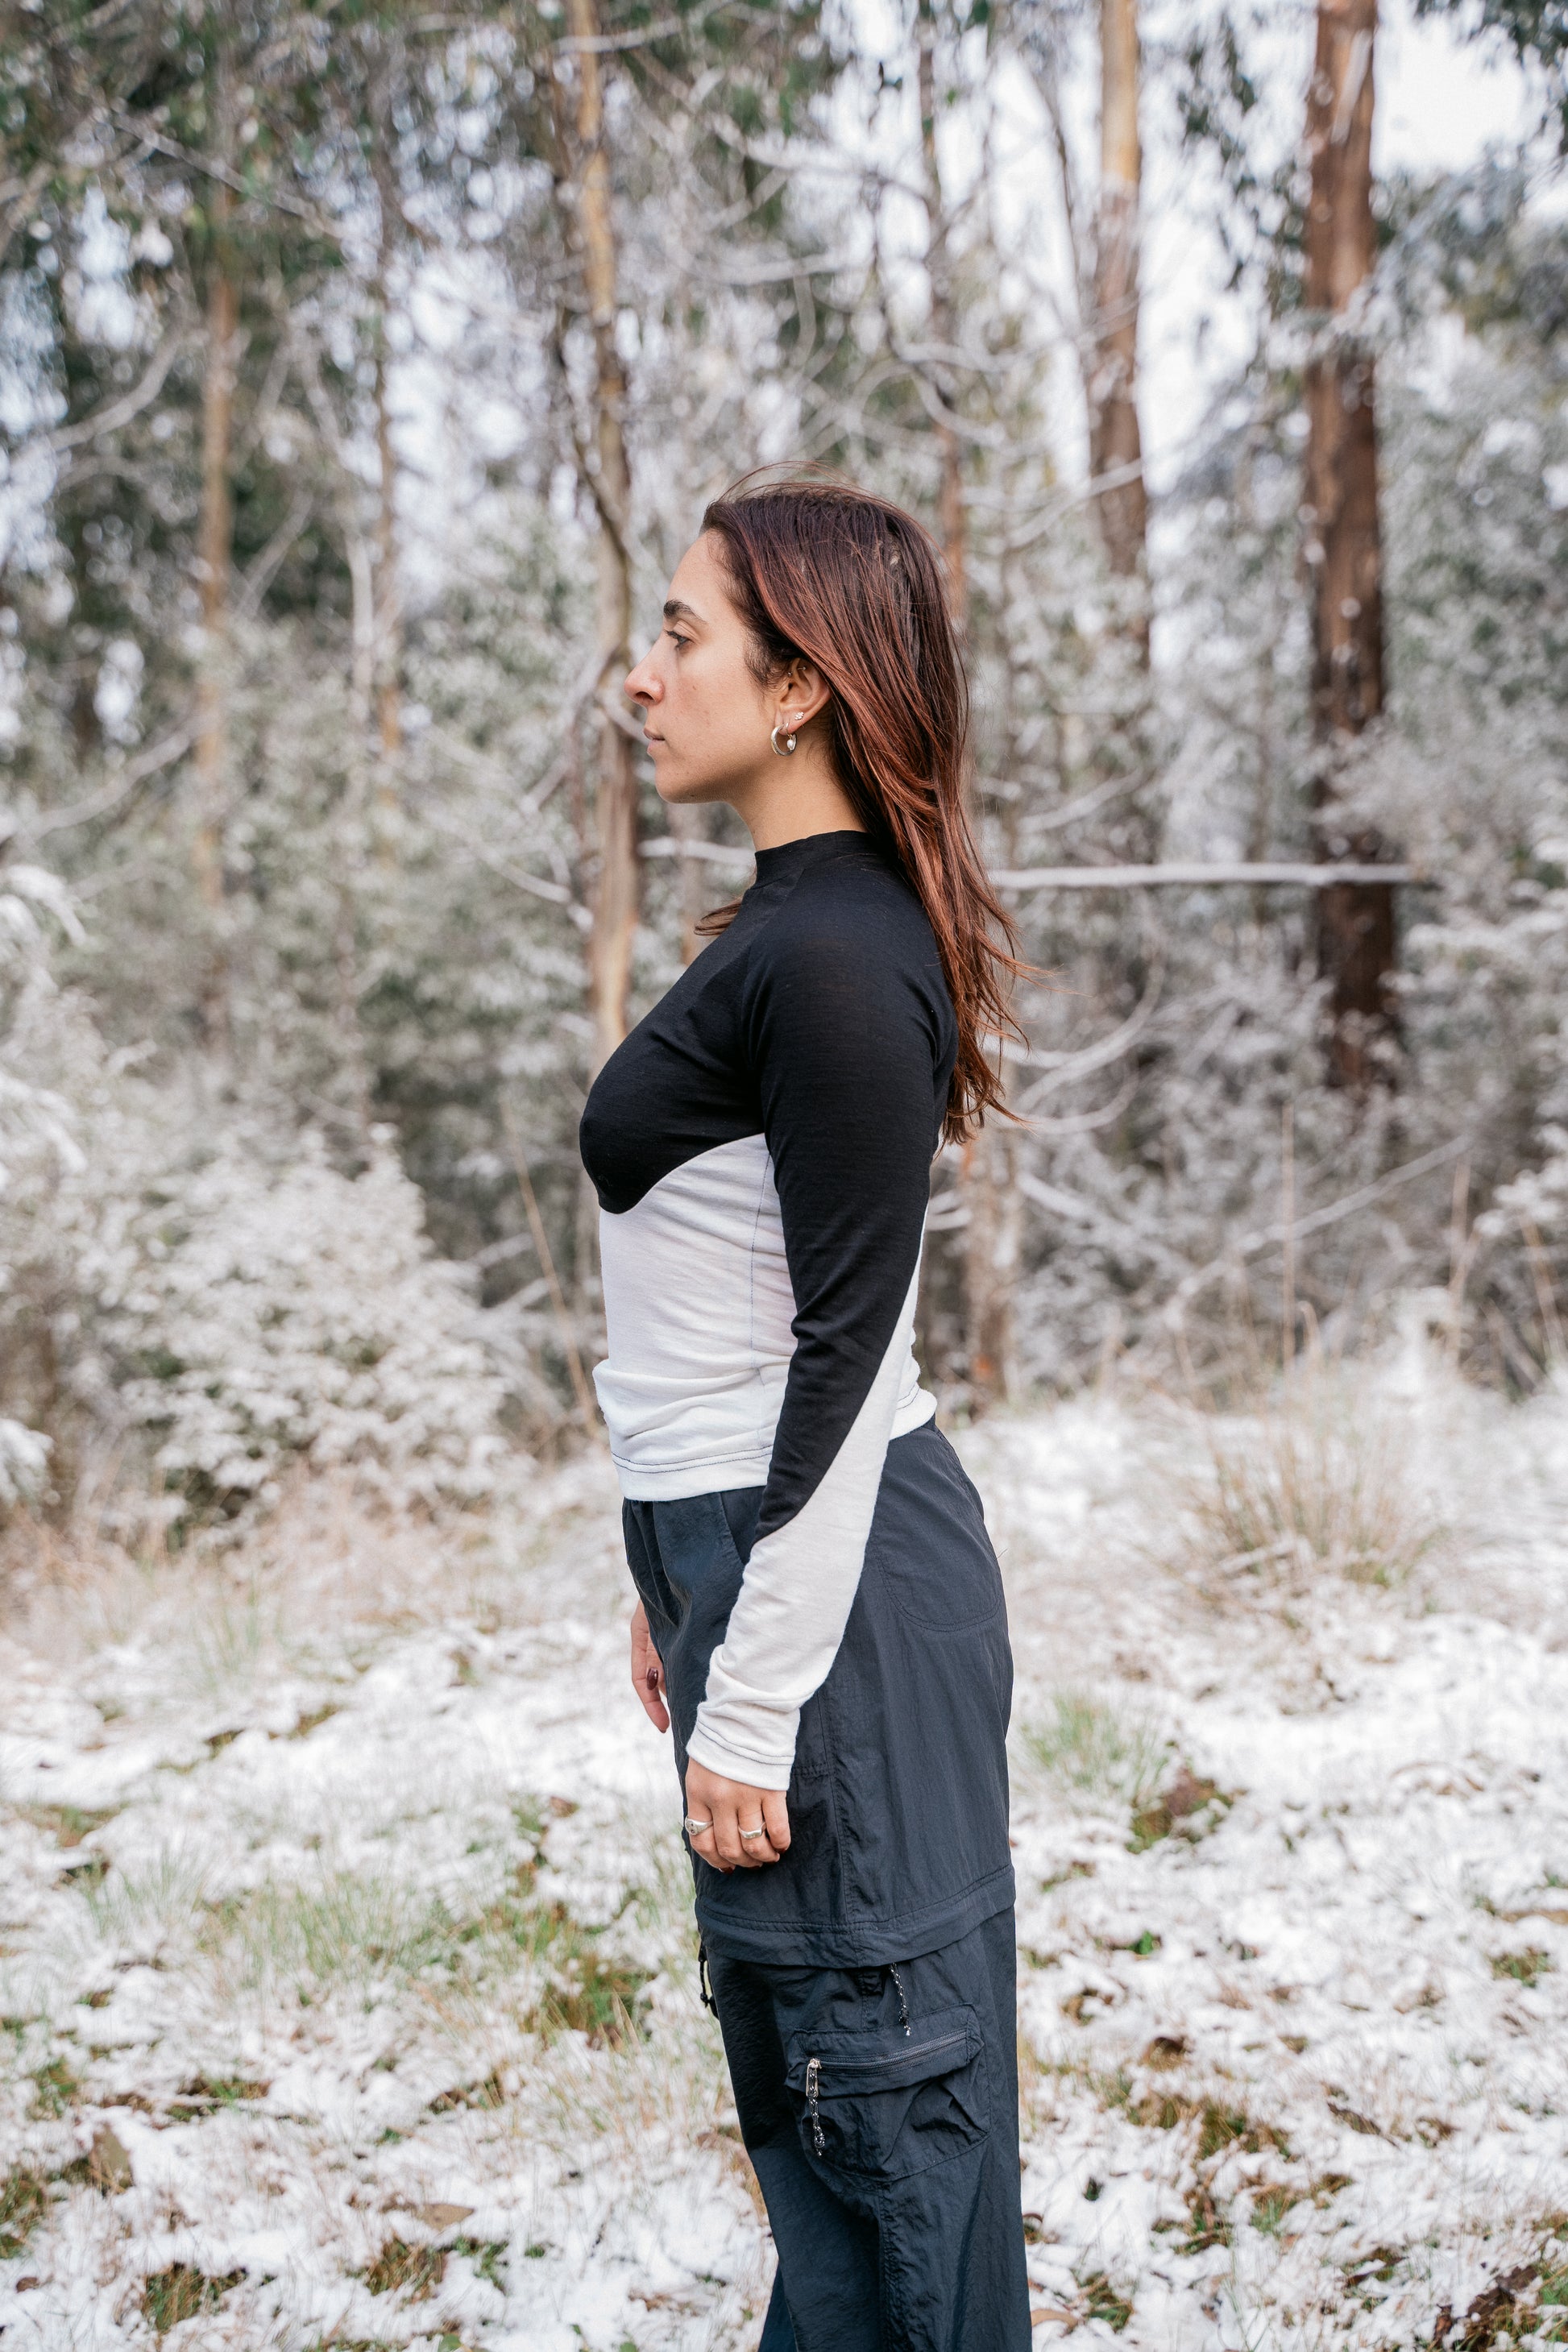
x: 813, y: 2069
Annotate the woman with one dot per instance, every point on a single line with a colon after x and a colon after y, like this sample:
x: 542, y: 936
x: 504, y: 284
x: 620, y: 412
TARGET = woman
x: 819, y: 1606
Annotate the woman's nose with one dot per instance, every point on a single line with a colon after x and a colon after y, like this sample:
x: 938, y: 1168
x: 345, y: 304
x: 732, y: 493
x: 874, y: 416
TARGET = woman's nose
x: 641, y: 686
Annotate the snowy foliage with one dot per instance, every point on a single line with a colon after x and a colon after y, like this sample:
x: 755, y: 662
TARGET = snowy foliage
x: 370, y: 912
x: 242, y: 1309
x: 298, y: 1315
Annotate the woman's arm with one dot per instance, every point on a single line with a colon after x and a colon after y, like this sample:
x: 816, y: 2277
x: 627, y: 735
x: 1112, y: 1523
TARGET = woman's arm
x: 729, y: 1807
x: 851, y: 1035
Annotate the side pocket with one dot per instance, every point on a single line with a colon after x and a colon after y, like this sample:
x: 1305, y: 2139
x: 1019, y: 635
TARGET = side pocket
x: 887, y: 2104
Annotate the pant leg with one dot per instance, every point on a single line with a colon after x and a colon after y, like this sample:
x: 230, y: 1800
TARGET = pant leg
x: 953, y: 2235
x: 778, y: 2328
x: 890, y: 2173
x: 825, y: 2295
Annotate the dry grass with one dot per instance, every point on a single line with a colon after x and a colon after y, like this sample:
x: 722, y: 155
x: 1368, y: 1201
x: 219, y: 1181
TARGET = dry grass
x: 1320, y: 1481
x: 326, y: 1561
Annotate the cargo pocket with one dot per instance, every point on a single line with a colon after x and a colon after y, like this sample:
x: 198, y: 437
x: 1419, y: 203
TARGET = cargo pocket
x: 888, y: 2104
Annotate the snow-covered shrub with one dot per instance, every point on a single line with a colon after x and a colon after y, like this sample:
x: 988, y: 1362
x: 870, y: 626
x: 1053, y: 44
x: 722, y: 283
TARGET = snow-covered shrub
x: 218, y: 1289
x: 297, y: 1313
x: 1536, y: 1201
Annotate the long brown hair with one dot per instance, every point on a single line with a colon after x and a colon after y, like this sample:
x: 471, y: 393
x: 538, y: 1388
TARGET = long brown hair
x: 820, y: 568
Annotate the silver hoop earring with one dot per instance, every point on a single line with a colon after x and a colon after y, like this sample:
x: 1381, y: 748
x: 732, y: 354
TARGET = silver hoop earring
x: 786, y: 747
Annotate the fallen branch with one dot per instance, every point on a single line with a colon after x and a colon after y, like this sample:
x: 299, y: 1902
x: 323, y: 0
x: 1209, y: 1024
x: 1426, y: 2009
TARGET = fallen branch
x: 1205, y: 877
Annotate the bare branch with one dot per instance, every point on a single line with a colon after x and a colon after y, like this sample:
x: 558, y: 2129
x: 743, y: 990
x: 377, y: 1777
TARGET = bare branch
x: 115, y: 794
x: 712, y: 852
x: 120, y: 412
x: 1197, y: 877
x: 1064, y: 1067
x: 1247, y: 1245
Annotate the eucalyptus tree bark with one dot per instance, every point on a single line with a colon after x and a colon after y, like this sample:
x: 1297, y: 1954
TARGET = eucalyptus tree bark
x: 1343, y: 552
x: 608, y: 476
x: 388, y: 598
x: 215, y: 538
x: 1115, y: 441
x: 951, y: 519
x: 985, y: 1167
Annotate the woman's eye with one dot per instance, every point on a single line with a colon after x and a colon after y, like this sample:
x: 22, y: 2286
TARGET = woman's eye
x: 677, y: 639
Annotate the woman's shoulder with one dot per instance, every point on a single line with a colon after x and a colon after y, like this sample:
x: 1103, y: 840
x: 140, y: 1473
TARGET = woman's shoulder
x: 851, y: 945
x: 855, y: 902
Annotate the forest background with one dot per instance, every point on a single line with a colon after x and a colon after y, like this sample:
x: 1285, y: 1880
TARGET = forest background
x: 364, y: 371
x: 365, y: 368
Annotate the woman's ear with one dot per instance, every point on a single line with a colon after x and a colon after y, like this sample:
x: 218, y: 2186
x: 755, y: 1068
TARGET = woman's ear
x: 803, y: 691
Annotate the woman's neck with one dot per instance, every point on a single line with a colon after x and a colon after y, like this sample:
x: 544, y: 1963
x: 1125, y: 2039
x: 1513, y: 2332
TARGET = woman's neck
x: 799, y: 801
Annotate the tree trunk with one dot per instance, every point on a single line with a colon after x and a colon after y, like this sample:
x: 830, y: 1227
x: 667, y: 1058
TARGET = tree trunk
x: 214, y: 543
x: 615, y: 906
x: 214, y: 537
x: 951, y: 519
x: 388, y: 605
x: 983, y: 1170
x: 388, y: 601
x: 1115, y: 443
x: 1343, y: 556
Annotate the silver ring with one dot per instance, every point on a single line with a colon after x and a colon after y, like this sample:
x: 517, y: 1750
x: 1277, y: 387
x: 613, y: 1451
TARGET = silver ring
x: 695, y: 1829
x: 760, y: 1832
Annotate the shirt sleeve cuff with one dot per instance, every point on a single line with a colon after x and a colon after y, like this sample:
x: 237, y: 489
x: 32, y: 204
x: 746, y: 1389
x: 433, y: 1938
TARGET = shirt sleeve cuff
x: 770, y: 1771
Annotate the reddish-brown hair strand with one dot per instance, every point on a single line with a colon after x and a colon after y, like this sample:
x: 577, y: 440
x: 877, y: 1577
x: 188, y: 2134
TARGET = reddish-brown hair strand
x: 820, y: 568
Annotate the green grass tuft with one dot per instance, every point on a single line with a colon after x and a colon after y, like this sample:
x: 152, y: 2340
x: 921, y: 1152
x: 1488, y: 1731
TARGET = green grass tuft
x: 1087, y: 1748
x: 1525, y: 1968
x: 1102, y: 2301
x: 488, y: 2257
x: 183, y: 2292
x: 399, y: 2267
x: 23, y: 2201
x: 56, y: 2089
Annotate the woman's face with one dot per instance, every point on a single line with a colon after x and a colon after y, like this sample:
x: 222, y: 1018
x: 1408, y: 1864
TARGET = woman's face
x: 706, y: 720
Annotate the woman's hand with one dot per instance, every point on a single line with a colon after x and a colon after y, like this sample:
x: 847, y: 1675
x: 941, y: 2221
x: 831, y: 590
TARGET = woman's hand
x: 648, y: 1672
x: 732, y: 1809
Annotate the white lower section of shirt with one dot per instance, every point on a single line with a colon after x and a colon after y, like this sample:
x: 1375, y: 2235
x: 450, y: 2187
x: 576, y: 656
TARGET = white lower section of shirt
x: 698, y: 1309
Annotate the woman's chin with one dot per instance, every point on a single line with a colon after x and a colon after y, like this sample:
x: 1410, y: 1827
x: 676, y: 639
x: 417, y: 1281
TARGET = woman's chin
x: 683, y: 791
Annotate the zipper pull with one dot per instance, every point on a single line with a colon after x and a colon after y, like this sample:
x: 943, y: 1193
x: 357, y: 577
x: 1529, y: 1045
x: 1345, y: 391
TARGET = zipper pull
x: 813, y: 2069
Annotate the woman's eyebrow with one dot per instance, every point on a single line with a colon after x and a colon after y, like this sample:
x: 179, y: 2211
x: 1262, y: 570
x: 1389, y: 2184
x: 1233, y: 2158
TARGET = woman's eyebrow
x: 676, y: 611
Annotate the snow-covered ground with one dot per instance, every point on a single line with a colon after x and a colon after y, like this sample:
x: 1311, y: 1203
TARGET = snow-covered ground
x: 348, y: 1996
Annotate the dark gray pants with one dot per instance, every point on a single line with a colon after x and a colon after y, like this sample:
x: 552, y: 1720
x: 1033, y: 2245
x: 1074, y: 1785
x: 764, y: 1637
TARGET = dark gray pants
x: 879, y: 2106
x: 890, y: 2172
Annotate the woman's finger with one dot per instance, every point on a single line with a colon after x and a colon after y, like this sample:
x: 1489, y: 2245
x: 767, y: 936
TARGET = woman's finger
x: 727, y: 1835
x: 705, y: 1844
x: 775, y: 1816
x: 648, y: 1670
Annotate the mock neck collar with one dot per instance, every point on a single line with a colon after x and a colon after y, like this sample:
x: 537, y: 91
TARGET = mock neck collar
x: 790, y: 856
